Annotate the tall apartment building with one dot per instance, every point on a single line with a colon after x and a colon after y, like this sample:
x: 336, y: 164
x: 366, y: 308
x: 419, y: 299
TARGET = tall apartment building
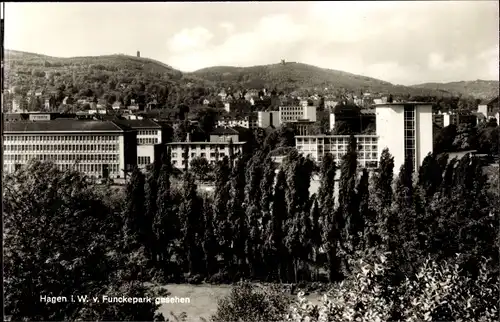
x: 316, y: 146
x: 98, y: 149
x: 406, y: 130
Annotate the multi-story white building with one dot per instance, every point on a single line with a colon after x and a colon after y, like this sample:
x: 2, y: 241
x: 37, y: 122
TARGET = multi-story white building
x: 403, y: 128
x: 149, y: 135
x: 332, y: 121
x: 248, y: 122
x: 97, y: 148
x: 222, y: 140
x: 211, y: 151
x: 293, y: 113
x: 268, y: 118
x: 316, y: 146
x: 406, y: 130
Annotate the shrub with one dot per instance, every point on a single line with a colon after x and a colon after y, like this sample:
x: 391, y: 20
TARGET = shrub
x: 220, y: 278
x: 436, y: 292
x: 246, y: 303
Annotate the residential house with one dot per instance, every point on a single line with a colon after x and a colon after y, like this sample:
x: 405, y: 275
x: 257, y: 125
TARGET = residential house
x: 67, y: 100
x: 133, y: 105
x: 39, y: 93
x: 19, y: 105
x: 489, y: 107
x: 117, y: 105
x: 206, y: 102
x: 152, y: 104
x: 248, y: 121
x: 330, y: 104
x: 222, y: 94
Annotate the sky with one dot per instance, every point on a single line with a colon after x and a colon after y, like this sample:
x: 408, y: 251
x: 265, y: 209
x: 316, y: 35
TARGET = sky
x: 407, y: 42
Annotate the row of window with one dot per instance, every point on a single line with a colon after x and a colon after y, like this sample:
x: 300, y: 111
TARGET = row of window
x: 334, y: 140
x: 339, y: 154
x: 183, y: 162
x: 409, y: 134
x: 147, y: 132
x: 62, y: 147
x: 364, y: 163
x: 61, y: 138
x: 147, y: 141
x: 202, y: 155
x: 143, y: 160
x: 96, y: 169
x: 204, y: 147
x: 290, y: 108
x: 102, y: 158
x: 333, y: 147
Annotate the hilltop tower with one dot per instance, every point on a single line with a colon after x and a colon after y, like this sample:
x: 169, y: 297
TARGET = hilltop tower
x: 138, y: 54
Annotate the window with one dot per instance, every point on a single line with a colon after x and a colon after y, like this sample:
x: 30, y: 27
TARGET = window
x: 409, y: 132
x: 142, y: 160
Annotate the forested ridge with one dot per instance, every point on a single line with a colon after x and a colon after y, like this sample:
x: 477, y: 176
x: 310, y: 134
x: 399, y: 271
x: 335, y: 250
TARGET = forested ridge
x: 124, y: 78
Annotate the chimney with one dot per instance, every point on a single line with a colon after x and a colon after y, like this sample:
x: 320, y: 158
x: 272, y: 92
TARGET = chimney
x: 138, y: 54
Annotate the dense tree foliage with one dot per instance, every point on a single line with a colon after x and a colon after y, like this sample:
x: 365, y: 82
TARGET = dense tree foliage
x: 62, y: 240
x: 261, y: 223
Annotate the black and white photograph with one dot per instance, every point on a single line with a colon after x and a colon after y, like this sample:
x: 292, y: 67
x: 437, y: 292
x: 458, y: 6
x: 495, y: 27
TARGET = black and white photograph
x: 251, y: 161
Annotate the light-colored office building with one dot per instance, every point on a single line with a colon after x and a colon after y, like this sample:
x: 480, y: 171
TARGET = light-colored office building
x: 316, y: 146
x: 406, y: 130
x: 294, y: 113
x: 149, y: 134
x: 97, y: 148
x: 268, y: 118
x: 221, y: 140
x: 211, y: 151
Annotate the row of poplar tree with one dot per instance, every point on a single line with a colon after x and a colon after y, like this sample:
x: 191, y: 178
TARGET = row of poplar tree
x: 261, y: 222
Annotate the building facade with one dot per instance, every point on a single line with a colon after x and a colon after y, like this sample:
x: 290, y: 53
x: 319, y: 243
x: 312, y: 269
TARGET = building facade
x: 316, y: 146
x: 211, y: 151
x: 222, y: 141
x: 489, y: 108
x: 268, y: 118
x: 406, y: 130
x: 149, y: 135
x: 248, y: 122
x: 97, y: 149
x: 294, y: 113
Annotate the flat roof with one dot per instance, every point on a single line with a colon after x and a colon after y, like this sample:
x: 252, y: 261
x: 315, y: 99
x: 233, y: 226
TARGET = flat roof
x: 399, y: 104
x: 139, y: 124
x: 62, y: 125
x: 334, y: 136
x: 201, y: 143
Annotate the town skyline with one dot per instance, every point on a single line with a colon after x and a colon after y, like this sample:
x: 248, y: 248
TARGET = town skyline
x: 415, y: 45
